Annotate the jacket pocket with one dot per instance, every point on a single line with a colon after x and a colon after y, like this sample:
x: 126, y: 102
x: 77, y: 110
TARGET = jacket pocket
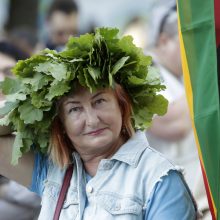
x: 70, y: 208
x: 50, y: 198
x: 71, y: 198
x: 118, y: 205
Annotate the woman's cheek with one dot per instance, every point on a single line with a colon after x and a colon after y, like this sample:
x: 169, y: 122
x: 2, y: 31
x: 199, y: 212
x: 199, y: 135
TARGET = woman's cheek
x: 74, y: 126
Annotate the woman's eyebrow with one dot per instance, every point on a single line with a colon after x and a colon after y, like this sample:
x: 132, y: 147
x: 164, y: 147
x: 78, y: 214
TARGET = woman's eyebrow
x: 97, y: 94
x: 71, y: 102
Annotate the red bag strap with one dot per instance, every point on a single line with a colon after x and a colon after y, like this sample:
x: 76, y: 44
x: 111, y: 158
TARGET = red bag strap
x: 63, y: 192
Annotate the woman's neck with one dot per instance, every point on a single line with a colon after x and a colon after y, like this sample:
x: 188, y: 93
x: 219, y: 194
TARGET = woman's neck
x: 91, y: 164
x: 91, y: 160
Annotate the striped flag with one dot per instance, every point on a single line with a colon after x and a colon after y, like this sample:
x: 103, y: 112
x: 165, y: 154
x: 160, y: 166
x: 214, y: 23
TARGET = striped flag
x: 199, y: 31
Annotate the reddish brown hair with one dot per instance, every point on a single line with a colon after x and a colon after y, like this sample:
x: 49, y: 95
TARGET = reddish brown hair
x: 61, y: 148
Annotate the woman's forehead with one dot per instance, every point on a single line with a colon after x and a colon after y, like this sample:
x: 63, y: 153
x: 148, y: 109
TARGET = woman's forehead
x: 81, y: 92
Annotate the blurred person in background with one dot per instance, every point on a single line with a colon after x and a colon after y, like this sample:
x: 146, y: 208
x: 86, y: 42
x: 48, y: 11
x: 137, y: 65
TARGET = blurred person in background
x: 9, y: 54
x: 172, y: 134
x: 16, y: 202
x: 25, y: 39
x: 62, y: 21
x: 4, y: 10
x: 137, y: 28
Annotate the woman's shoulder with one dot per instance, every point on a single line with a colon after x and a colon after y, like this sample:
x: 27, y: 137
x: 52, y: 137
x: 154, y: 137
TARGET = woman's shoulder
x: 138, y: 152
x: 156, y: 165
x: 149, y: 155
x: 45, y: 170
x: 40, y: 171
x: 151, y: 165
x: 156, y: 159
x: 159, y: 163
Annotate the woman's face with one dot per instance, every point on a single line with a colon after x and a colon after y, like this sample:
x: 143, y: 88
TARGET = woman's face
x: 92, y: 121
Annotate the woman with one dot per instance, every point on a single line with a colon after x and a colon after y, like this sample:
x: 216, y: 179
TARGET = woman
x: 88, y: 104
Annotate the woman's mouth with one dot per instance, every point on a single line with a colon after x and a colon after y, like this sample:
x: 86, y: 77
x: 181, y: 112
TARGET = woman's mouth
x: 95, y: 132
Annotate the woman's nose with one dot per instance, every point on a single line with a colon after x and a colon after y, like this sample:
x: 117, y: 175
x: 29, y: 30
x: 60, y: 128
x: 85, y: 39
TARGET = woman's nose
x: 92, y: 118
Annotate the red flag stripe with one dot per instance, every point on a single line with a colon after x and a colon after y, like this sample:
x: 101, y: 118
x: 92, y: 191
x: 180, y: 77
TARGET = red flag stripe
x: 208, y: 193
x: 217, y: 22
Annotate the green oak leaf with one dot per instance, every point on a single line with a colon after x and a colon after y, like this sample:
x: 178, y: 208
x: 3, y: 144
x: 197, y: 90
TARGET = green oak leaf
x: 29, y: 113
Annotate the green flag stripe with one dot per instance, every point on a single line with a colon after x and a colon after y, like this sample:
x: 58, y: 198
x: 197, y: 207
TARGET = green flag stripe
x: 198, y: 31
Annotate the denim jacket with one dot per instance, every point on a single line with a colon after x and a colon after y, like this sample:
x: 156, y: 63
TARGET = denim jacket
x: 119, y: 190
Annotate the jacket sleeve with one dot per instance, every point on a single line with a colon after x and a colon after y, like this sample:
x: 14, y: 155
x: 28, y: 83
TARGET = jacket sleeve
x: 171, y: 199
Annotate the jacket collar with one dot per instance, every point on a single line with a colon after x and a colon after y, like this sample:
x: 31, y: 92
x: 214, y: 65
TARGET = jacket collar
x: 131, y: 151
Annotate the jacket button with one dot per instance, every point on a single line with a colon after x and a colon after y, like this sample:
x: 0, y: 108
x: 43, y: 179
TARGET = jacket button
x: 107, y: 166
x: 117, y: 207
x: 89, y: 189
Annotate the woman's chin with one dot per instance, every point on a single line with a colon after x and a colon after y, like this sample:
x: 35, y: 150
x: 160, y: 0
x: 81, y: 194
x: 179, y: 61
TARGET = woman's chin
x: 99, y: 141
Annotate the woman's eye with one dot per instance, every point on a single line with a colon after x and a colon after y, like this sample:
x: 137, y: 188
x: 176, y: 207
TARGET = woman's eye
x: 99, y: 101
x: 74, y: 109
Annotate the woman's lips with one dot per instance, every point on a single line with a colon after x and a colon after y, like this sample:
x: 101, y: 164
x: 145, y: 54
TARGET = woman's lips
x: 96, y: 132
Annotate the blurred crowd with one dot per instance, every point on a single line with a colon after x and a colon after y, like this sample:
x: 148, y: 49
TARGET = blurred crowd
x: 48, y: 24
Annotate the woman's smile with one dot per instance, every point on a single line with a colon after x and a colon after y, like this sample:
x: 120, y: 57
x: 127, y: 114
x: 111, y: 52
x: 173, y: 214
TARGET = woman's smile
x: 95, y: 132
